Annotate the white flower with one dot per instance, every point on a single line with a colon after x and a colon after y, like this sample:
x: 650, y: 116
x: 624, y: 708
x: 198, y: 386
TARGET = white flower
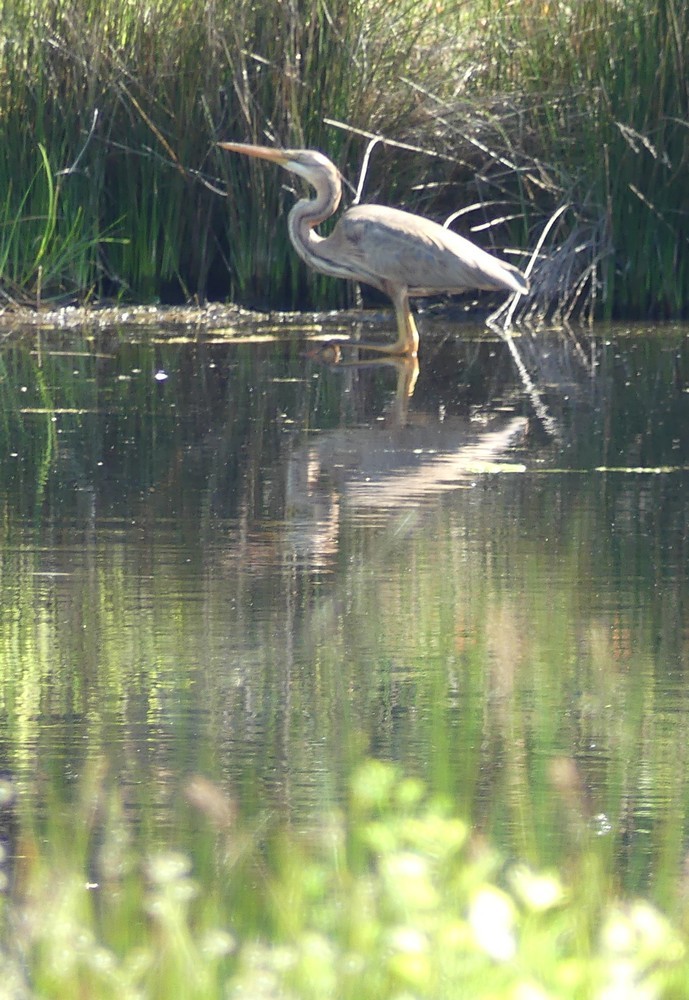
x: 491, y: 916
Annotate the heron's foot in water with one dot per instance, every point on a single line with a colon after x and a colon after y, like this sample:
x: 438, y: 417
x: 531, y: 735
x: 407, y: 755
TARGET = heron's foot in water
x: 329, y: 352
x: 399, y: 349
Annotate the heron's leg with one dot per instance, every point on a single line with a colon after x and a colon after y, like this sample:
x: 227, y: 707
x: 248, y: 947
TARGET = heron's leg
x: 407, y: 335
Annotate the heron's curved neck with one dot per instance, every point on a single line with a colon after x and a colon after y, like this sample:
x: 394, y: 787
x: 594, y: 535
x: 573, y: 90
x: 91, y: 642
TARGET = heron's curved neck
x: 307, y: 214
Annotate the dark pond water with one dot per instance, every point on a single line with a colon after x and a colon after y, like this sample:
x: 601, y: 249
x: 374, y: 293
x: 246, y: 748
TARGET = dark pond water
x: 222, y: 557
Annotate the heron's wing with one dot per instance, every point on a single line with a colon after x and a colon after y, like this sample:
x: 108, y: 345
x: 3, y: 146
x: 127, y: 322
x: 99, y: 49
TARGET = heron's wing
x: 386, y: 245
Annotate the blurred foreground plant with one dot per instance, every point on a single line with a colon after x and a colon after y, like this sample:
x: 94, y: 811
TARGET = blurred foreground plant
x: 400, y: 904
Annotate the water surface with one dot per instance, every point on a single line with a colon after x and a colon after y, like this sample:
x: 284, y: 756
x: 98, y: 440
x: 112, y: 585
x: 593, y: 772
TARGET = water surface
x: 225, y: 558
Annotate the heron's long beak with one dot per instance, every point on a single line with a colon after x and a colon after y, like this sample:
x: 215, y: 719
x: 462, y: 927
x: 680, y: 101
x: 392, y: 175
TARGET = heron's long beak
x: 280, y: 156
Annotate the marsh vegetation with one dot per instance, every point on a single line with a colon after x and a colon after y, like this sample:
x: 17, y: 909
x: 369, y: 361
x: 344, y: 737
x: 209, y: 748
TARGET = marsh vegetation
x: 565, y: 123
x: 203, y: 639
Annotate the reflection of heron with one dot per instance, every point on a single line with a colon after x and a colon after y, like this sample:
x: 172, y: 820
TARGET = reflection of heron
x: 397, y: 252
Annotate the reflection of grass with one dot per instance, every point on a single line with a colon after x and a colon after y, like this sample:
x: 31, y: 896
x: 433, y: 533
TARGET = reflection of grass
x: 27, y: 446
x: 398, y: 903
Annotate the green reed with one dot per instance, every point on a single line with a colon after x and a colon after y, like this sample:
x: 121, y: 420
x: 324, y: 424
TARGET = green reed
x: 111, y: 183
x: 45, y: 243
x: 605, y: 108
x: 128, y: 103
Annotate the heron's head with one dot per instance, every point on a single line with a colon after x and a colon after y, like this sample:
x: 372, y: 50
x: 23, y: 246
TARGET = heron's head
x: 308, y: 163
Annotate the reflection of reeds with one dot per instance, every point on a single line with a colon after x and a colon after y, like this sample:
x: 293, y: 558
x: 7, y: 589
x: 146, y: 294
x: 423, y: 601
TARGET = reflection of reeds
x: 27, y: 445
x: 474, y: 642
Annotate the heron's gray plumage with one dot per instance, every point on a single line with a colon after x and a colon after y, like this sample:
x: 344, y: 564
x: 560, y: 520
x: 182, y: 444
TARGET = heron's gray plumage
x: 419, y: 253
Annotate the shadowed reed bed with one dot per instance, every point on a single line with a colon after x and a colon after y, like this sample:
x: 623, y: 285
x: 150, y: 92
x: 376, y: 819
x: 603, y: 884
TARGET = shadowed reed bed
x: 552, y: 126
